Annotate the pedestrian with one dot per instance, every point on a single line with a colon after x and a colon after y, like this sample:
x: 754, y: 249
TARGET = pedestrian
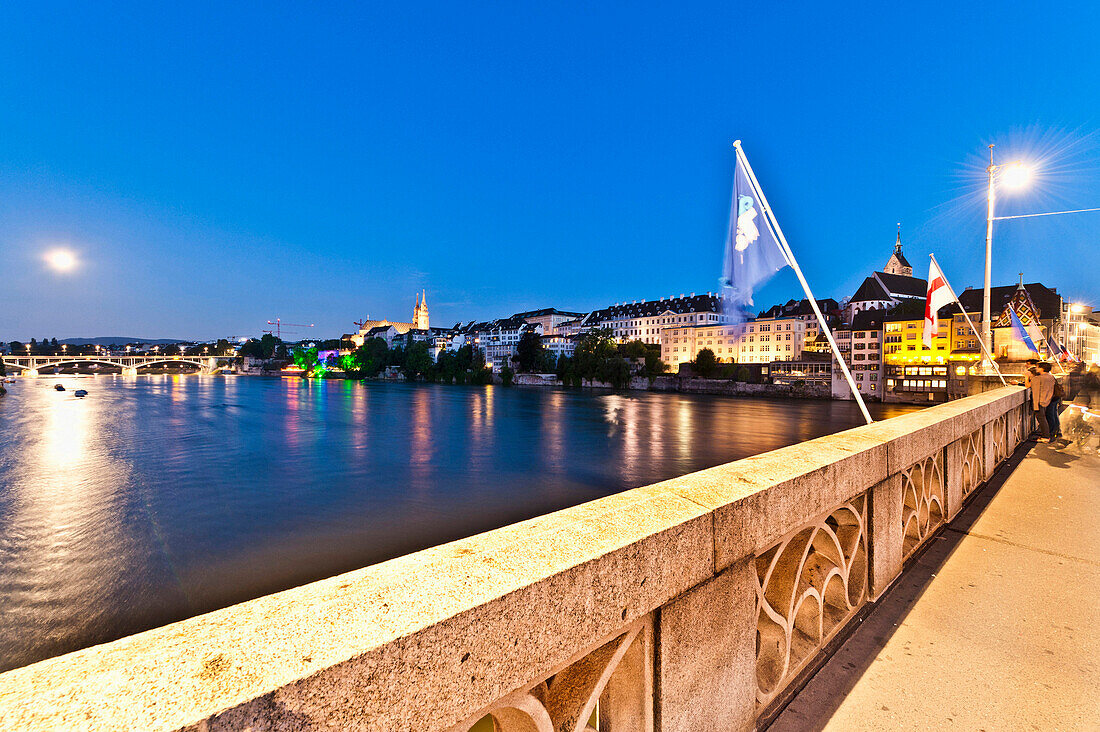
x: 1053, y: 407
x: 1042, y: 394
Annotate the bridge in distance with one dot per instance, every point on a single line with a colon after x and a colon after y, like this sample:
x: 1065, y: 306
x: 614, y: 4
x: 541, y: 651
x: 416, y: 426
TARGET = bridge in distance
x: 33, y: 365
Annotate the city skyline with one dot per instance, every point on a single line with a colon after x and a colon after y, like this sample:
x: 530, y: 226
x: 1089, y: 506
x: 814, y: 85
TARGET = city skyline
x: 509, y: 160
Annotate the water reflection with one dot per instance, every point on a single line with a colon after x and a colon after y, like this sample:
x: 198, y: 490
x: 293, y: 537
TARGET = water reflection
x: 158, y: 497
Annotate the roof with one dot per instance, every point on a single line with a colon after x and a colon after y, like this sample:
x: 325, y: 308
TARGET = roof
x: 1047, y: 301
x: 795, y: 308
x: 901, y: 285
x: 907, y: 310
x: 706, y: 303
x: 870, y: 291
x: 868, y: 320
x: 901, y: 258
x: 547, y: 311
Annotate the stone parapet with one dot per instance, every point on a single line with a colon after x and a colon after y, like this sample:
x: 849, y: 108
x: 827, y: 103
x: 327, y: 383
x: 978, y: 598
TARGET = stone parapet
x: 642, y: 610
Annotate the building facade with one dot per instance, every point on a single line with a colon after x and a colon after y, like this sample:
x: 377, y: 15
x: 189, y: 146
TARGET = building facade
x: 549, y: 318
x: 644, y: 321
x: 861, y: 345
x: 758, y: 341
x: 366, y: 326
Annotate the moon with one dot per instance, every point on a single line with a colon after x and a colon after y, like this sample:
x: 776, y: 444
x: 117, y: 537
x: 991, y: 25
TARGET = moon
x: 60, y: 260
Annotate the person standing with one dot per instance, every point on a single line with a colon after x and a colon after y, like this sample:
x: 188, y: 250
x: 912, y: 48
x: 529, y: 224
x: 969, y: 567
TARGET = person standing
x: 1054, y: 409
x: 1042, y: 396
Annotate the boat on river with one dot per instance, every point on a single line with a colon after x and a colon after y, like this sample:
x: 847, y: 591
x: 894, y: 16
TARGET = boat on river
x: 59, y: 387
x: 80, y: 393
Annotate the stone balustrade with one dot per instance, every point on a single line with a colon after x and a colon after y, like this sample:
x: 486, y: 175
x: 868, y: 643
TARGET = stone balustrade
x: 693, y: 604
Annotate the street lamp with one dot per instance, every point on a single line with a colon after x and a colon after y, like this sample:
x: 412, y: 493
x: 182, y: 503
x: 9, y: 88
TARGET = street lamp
x: 1013, y: 175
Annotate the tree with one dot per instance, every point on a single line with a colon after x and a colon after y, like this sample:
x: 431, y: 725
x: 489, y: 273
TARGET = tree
x: 634, y: 349
x: 222, y: 348
x: 506, y: 375
x: 594, y: 350
x: 742, y: 374
x: 251, y: 349
x: 705, y: 362
x: 418, y: 361
x: 654, y: 366
x: 305, y: 359
x: 529, y: 352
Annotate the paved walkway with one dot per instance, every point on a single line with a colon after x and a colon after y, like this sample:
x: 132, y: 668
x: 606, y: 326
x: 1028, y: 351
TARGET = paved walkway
x: 995, y: 627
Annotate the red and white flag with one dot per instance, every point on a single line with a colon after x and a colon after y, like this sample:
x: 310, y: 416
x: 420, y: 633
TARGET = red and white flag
x: 938, y: 296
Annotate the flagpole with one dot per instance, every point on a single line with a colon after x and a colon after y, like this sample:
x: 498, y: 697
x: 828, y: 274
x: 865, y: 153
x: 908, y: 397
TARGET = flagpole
x: 802, y: 280
x: 981, y: 342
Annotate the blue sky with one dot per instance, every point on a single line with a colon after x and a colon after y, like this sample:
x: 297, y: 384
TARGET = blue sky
x: 217, y: 165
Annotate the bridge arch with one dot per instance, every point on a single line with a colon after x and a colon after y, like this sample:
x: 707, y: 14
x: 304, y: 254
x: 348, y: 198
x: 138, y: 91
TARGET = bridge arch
x: 13, y: 361
x: 191, y: 361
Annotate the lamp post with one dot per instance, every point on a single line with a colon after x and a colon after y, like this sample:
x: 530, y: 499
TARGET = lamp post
x: 1015, y: 175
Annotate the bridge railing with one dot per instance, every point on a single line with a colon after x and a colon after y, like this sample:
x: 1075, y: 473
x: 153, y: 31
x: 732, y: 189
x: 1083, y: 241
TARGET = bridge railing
x: 695, y: 603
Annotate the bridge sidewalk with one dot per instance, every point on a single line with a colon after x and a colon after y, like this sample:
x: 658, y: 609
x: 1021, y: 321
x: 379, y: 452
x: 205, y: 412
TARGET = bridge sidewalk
x: 992, y: 628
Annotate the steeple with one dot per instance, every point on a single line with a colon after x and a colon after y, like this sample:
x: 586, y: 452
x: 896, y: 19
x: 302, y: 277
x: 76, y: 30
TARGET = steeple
x: 420, y: 312
x: 898, y: 264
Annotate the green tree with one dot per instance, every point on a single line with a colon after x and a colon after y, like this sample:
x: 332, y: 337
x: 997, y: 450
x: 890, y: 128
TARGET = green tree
x: 252, y: 348
x: 506, y: 375
x: 418, y: 361
x: 222, y: 348
x: 634, y: 349
x: 705, y: 363
x: 594, y: 351
x: 742, y: 374
x: 305, y: 359
x: 654, y: 366
x: 529, y: 352
x: 270, y: 345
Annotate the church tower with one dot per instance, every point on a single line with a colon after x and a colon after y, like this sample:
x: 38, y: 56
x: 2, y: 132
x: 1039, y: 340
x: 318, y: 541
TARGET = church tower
x: 420, y: 312
x: 898, y: 264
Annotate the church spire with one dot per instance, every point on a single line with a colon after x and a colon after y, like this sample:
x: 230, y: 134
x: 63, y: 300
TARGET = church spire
x: 898, y: 264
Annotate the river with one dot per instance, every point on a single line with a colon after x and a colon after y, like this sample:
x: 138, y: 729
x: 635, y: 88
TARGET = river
x: 157, y: 498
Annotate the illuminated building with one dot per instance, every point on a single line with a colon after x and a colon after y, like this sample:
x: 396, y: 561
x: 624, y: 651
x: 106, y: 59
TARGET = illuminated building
x: 914, y: 372
x: 369, y: 328
x: 644, y: 321
x: 758, y: 341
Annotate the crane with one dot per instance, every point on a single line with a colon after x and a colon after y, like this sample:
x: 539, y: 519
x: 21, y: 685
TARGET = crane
x: 278, y: 323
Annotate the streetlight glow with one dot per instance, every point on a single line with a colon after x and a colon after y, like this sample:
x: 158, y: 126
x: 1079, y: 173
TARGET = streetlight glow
x: 60, y: 260
x: 1016, y: 175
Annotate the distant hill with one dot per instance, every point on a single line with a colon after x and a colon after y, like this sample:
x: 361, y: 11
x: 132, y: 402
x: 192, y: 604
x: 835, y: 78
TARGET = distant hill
x: 118, y: 340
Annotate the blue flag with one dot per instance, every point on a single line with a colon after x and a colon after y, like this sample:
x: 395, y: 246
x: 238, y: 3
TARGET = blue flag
x: 753, y: 253
x: 1020, y: 331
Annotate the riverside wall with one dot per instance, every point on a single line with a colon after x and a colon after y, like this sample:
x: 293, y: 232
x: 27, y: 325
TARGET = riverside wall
x: 696, y: 603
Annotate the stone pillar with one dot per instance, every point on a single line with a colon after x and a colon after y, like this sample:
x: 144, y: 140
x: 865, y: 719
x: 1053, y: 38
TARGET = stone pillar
x: 129, y: 371
x: 953, y: 477
x: 884, y: 534
x: 30, y: 372
x: 707, y: 655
